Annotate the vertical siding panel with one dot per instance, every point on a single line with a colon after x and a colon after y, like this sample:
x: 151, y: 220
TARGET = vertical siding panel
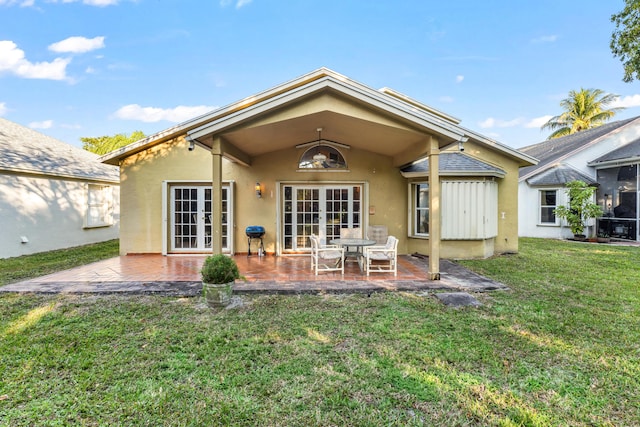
x: 469, y: 210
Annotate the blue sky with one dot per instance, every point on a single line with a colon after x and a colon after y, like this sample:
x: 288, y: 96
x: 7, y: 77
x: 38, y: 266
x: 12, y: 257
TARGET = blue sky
x: 100, y: 67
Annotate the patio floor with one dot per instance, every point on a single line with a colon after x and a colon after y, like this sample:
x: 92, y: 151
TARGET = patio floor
x: 179, y: 275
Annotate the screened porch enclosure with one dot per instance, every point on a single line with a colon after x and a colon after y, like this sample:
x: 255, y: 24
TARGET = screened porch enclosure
x: 617, y: 194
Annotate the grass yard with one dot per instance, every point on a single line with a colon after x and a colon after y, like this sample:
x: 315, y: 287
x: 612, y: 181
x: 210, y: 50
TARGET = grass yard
x: 30, y: 266
x: 561, y: 348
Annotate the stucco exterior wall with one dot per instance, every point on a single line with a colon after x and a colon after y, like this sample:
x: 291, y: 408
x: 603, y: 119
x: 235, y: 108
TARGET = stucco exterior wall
x: 49, y: 212
x: 143, y: 174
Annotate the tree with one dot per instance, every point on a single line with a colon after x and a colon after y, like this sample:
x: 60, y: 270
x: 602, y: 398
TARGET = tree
x: 583, y: 109
x: 580, y: 208
x: 625, y: 39
x: 106, y: 144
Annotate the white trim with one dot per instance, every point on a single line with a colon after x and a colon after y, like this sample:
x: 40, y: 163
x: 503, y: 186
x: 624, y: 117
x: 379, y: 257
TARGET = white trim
x: 364, y: 207
x: 166, y: 210
x: 413, y: 209
x: 372, y: 97
x: 539, y: 204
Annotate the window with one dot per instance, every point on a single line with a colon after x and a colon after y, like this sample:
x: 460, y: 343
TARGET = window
x: 99, y: 206
x: 420, y: 202
x: 322, y: 157
x: 548, y: 204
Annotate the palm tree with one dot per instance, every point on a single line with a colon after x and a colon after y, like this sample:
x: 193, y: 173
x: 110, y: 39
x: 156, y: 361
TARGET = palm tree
x: 584, y: 109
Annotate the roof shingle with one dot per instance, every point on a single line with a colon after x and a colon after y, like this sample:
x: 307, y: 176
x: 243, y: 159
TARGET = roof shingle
x: 25, y: 150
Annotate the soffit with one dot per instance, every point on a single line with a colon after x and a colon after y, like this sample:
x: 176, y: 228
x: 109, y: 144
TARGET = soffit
x: 342, y: 122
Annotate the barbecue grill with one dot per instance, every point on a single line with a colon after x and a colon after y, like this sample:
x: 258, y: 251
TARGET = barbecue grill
x: 255, y: 232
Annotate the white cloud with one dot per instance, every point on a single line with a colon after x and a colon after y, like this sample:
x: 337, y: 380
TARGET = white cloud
x: 459, y: 78
x: 77, y: 44
x: 238, y: 3
x: 68, y: 126
x: 46, y: 124
x: 447, y: 99
x: 13, y: 60
x: 490, y: 122
x: 153, y: 114
x: 3, y: 108
x: 627, y: 101
x: 537, y: 122
x: 545, y: 39
x: 25, y: 3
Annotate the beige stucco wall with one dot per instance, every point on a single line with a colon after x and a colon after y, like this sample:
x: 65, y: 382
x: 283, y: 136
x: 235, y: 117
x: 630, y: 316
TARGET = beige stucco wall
x: 143, y: 174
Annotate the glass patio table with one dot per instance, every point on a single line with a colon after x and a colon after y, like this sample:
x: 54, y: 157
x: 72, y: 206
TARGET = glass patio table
x: 353, y: 243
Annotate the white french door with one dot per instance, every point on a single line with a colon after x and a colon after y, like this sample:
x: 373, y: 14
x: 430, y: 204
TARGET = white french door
x: 190, y: 226
x: 318, y: 209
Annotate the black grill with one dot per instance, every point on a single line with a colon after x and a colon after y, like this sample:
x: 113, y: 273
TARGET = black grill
x: 255, y: 232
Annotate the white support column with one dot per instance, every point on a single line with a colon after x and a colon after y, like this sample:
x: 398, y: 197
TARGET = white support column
x: 434, y: 209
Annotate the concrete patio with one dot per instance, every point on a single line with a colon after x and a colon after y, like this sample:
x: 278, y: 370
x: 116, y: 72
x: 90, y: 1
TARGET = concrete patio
x: 179, y: 276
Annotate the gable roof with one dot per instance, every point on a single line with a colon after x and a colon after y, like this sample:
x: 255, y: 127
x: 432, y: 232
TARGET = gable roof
x: 559, y: 174
x: 553, y: 151
x: 27, y: 151
x: 414, y: 120
x: 457, y: 164
x: 629, y: 153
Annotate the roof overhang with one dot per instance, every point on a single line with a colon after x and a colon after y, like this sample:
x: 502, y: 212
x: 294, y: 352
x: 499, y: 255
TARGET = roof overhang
x: 350, y: 113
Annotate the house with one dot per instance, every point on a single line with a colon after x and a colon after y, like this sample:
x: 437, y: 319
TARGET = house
x: 607, y: 157
x: 52, y: 195
x: 316, y: 154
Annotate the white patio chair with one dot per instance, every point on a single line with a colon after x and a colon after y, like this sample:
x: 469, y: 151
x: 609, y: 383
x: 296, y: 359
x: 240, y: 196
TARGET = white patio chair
x: 379, y: 233
x: 382, y: 259
x: 326, y: 257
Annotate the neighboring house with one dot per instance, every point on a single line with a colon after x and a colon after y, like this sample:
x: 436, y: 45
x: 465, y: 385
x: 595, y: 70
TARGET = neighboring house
x: 52, y: 195
x: 606, y: 156
x: 314, y: 155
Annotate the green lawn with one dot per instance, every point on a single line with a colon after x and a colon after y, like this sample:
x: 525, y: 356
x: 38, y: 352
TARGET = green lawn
x: 561, y: 348
x: 30, y: 266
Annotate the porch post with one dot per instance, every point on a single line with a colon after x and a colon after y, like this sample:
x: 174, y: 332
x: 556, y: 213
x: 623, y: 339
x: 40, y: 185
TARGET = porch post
x: 216, y: 196
x: 434, y: 209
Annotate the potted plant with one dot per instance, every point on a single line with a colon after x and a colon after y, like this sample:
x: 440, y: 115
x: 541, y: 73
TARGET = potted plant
x: 603, y: 237
x: 219, y: 273
x: 580, y: 208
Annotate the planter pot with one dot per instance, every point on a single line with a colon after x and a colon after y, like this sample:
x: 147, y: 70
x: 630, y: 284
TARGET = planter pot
x: 580, y: 237
x: 604, y: 239
x: 217, y: 295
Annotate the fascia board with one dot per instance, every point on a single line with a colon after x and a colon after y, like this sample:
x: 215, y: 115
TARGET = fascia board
x: 617, y: 162
x: 502, y: 147
x: 59, y: 175
x: 495, y: 174
x: 364, y: 94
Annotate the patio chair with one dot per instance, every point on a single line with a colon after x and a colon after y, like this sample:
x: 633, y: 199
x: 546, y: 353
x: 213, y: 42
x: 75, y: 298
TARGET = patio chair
x: 326, y: 257
x: 379, y: 233
x: 382, y: 259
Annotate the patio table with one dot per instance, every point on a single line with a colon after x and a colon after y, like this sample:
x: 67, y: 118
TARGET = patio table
x: 356, y: 243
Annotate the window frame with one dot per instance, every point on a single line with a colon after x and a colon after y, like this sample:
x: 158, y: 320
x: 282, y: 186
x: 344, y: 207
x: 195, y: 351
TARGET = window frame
x: 541, y: 206
x: 100, y: 198
x: 415, y: 209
